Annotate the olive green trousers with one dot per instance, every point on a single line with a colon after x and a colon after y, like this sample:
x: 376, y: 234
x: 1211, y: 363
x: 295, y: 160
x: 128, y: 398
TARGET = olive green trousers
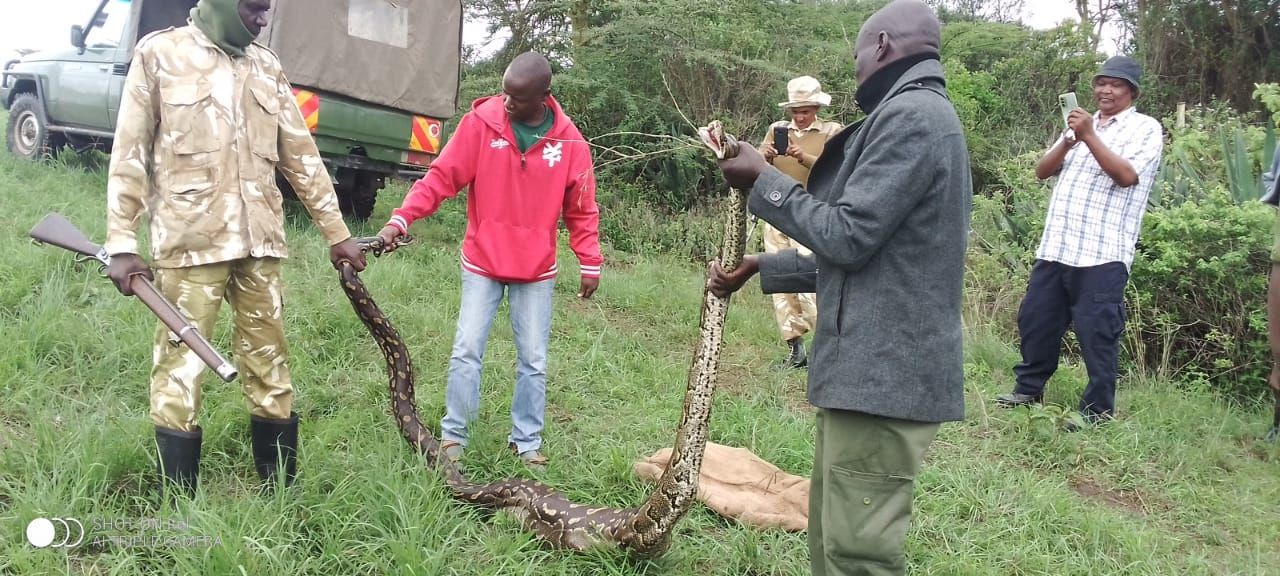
x: 864, y: 469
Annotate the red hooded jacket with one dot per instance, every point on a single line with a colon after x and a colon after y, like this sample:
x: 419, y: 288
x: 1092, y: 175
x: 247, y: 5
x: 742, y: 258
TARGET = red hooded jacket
x: 516, y: 200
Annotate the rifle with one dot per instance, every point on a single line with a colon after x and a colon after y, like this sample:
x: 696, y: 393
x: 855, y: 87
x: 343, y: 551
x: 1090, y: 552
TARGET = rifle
x: 56, y: 230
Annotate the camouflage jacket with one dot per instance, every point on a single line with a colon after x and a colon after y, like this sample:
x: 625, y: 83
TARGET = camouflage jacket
x: 198, y: 140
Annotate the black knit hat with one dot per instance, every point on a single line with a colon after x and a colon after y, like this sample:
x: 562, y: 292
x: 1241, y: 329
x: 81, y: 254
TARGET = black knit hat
x: 1124, y: 68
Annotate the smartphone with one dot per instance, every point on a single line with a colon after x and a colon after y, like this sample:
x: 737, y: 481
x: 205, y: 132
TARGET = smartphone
x: 1068, y: 103
x: 780, y: 139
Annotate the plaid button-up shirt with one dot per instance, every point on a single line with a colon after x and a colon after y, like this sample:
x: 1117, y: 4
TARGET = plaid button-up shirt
x: 1092, y: 220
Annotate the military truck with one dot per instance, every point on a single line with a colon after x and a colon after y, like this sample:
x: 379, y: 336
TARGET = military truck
x: 375, y: 80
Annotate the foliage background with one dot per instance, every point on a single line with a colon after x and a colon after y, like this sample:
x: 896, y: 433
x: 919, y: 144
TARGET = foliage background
x: 637, y: 75
x: 1178, y: 485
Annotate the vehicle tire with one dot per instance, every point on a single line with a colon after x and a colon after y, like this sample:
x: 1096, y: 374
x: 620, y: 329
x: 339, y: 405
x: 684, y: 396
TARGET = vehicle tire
x: 357, y: 192
x: 27, y: 134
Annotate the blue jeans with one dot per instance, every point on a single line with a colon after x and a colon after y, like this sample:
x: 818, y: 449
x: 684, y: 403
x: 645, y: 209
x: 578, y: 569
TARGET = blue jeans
x: 530, y: 308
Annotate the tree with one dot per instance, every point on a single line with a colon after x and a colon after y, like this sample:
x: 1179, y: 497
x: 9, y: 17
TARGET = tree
x: 1205, y: 50
x: 1095, y: 15
x: 980, y: 44
x: 540, y: 25
x: 1006, y: 11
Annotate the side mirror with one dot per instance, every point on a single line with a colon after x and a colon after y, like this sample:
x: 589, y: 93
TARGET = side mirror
x: 77, y: 36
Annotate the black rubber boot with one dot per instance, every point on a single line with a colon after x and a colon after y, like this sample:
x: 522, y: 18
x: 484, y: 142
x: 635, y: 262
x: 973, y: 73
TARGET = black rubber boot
x: 797, y: 358
x: 275, y: 447
x: 1014, y: 400
x: 179, y: 463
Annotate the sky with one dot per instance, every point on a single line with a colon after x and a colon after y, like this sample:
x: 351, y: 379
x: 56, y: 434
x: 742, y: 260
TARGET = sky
x: 1043, y: 14
x: 47, y: 24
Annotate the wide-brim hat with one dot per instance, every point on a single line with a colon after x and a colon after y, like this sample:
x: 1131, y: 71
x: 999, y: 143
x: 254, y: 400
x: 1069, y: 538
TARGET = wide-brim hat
x: 805, y: 91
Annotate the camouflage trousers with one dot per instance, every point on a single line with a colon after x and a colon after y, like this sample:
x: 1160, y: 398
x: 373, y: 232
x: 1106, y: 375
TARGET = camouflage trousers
x: 796, y: 314
x: 253, y: 288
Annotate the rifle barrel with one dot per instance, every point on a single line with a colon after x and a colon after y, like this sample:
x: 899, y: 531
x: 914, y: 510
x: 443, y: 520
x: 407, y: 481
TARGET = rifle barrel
x: 57, y: 230
x: 184, y: 330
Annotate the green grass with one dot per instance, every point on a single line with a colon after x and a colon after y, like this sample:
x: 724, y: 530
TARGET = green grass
x: 1179, y: 485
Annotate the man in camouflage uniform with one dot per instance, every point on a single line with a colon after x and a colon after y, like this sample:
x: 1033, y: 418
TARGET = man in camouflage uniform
x: 206, y: 119
x: 797, y: 313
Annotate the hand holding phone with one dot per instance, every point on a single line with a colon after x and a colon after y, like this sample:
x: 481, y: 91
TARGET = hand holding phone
x: 1068, y: 103
x: 780, y: 140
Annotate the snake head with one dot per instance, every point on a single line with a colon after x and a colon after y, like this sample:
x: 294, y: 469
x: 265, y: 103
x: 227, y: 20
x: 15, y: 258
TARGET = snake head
x: 723, y: 145
x: 374, y: 244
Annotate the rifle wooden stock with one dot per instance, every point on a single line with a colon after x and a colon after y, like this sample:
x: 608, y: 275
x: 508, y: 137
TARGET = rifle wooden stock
x: 56, y: 230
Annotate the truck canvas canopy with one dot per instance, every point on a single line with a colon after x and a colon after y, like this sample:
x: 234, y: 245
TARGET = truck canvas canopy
x: 404, y: 54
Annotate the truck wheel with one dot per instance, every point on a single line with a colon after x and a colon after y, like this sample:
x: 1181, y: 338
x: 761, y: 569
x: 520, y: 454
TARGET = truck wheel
x: 358, y: 192
x: 27, y: 135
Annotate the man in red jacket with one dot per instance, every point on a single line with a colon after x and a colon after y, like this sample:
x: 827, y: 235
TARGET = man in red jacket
x: 526, y: 166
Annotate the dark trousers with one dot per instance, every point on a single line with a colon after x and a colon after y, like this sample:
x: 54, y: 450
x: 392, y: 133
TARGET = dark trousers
x: 1091, y: 299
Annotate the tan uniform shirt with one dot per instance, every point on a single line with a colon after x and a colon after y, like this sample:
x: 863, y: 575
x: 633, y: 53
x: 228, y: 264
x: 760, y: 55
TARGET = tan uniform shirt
x: 811, y: 140
x: 198, y: 139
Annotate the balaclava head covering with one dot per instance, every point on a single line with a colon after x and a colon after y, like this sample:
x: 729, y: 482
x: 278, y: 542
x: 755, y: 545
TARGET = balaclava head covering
x: 220, y: 21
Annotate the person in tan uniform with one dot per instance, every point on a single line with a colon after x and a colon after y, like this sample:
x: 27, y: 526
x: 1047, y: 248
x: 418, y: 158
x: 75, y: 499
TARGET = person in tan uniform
x: 206, y: 119
x: 806, y: 135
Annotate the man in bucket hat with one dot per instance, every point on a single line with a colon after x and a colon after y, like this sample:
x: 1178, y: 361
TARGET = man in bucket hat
x: 1105, y: 167
x: 796, y: 314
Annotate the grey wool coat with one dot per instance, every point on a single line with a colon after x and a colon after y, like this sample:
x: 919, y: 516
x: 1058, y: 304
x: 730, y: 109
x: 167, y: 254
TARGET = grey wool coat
x: 887, y: 218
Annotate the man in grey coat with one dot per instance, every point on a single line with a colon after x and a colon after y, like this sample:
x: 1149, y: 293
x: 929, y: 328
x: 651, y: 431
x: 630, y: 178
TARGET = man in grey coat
x: 886, y: 215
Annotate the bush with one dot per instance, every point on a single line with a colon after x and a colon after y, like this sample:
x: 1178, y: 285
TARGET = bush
x: 1005, y: 226
x: 1197, y: 296
x: 1216, y: 145
x: 630, y: 224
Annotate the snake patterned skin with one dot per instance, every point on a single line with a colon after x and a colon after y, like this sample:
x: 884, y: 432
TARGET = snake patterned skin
x: 644, y: 531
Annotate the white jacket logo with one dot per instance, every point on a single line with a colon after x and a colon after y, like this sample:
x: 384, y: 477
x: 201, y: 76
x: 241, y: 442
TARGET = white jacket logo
x: 499, y: 144
x: 44, y: 532
x: 553, y: 153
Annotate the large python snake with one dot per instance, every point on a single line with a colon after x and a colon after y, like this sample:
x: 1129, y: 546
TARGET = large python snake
x: 644, y: 531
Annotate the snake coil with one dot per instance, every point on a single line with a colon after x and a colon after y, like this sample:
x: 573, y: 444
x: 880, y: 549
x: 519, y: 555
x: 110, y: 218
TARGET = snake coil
x: 644, y: 531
